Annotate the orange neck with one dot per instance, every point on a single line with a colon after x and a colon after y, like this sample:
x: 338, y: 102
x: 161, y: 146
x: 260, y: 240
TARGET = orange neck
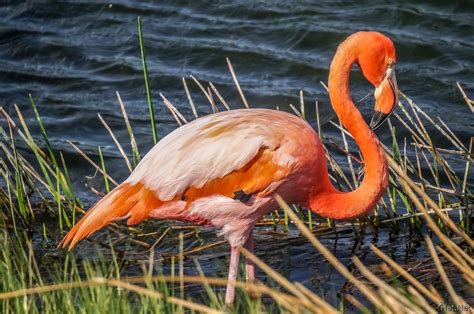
x: 329, y: 202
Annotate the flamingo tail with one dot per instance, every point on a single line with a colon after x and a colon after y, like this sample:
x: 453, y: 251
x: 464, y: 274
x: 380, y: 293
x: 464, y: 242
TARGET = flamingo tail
x: 125, y: 201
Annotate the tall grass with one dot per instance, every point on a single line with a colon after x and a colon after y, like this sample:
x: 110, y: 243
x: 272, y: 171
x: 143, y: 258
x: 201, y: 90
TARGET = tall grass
x: 435, y: 204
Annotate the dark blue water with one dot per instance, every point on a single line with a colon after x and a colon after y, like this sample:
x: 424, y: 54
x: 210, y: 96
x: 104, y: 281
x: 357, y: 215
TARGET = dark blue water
x: 73, y: 58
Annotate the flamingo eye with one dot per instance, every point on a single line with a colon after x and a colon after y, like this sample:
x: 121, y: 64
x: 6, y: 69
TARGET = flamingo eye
x: 390, y: 61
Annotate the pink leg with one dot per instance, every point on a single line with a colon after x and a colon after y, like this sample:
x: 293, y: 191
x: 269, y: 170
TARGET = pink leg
x: 250, y: 267
x: 233, y: 268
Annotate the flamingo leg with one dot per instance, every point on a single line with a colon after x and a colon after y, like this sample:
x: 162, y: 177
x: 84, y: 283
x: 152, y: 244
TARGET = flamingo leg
x: 250, y: 267
x: 233, y: 268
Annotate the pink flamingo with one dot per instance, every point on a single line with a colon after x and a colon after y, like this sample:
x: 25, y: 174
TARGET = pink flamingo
x: 199, y: 172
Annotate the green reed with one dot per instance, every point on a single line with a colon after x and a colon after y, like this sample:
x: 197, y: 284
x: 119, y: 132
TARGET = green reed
x: 147, y: 85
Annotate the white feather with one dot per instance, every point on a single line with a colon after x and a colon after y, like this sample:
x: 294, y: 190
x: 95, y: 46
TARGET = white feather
x: 211, y: 147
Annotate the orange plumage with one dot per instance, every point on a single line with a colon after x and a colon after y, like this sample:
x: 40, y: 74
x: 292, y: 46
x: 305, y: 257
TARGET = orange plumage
x: 254, y: 177
x: 125, y: 201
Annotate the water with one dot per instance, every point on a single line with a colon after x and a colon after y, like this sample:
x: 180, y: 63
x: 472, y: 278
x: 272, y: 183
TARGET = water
x: 73, y: 57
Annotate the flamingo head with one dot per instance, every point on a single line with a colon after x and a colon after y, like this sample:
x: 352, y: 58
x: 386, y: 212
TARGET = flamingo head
x: 376, y: 60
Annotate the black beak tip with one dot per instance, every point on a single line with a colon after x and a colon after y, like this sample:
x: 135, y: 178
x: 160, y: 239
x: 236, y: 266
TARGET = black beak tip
x: 377, y: 120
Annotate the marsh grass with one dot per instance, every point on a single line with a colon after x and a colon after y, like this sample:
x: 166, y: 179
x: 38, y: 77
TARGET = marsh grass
x: 426, y: 196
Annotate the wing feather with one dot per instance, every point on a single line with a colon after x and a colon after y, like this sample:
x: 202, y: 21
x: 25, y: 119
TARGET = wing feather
x: 218, y: 154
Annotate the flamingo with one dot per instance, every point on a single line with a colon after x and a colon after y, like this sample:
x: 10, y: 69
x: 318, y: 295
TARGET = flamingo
x: 225, y: 169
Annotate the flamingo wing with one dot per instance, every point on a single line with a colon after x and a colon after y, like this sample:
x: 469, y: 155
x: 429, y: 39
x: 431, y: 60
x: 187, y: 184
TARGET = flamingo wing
x: 211, y: 148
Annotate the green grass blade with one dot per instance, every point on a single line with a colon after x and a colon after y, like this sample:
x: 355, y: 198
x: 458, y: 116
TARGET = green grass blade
x: 147, y: 85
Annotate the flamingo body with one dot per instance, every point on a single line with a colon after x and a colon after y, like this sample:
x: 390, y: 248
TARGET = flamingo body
x: 198, y: 172
x: 195, y: 172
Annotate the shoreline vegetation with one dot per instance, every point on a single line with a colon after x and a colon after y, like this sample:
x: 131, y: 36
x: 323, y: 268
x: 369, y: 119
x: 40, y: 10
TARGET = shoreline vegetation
x: 433, y: 205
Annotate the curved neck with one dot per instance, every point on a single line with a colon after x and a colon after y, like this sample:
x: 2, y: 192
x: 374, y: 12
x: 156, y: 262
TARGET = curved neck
x: 330, y: 202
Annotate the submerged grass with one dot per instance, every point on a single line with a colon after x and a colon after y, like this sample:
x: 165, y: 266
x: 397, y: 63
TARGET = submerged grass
x: 426, y: 195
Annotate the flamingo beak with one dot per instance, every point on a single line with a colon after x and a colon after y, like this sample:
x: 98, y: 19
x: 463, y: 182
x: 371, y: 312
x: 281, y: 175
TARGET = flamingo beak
x: 386, y: 98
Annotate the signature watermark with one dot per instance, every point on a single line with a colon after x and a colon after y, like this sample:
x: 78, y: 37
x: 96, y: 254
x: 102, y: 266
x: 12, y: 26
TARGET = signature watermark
x: 455, y: 307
